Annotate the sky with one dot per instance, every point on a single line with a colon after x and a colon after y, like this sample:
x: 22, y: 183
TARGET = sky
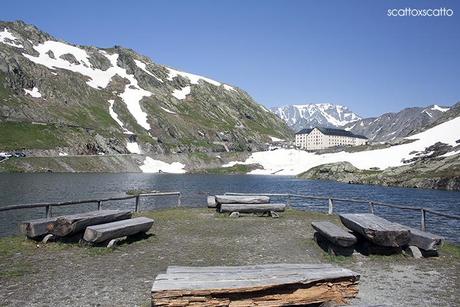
x: 281, y: 52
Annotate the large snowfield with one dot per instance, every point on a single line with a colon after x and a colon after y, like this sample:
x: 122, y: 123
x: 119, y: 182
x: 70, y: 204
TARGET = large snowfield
x: 293, y: 162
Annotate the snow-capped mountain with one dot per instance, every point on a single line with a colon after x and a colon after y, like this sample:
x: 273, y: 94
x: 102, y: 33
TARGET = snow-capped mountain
x: 311, y: 115
x: 93, y: 100
x: 391, y: 126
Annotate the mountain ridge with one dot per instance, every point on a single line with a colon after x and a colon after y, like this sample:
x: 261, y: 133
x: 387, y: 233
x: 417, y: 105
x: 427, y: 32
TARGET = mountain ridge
x: 102, y: 100
x: 299, y: 116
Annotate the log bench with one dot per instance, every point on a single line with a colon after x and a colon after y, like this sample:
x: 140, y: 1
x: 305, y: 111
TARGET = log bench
x: 115, y: 230
x: 36, y: 229
x: 71, y: 224
x: 241, y: 199
x: 271, y: 209
x: 424, y: 240
x: 334, y: 239
x: 257, y: 285
x: 377, y: 230
x: 211, y: 202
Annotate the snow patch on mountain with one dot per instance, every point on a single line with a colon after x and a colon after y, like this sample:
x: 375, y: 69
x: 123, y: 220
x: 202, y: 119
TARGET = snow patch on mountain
x: 115, y: 117
x: 98, y: 78
x: 143, y: 66
x: 168, y: 111
x: 33, y: 92
x: 155, y: 166
x: 194, y: 78
x: 6, y: 37
x: 293, y: 162
x: 133, y: 147
x: 435, y: 107
x: 182, y: 93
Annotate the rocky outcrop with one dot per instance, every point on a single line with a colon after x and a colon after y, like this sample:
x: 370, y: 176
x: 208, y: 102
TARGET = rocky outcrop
x: 431, y: 173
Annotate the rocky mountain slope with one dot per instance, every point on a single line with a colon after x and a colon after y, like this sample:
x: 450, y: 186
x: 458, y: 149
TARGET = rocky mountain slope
x: 438, y: 172
x: 313, y: 115
x: 62, y: 99
x: 391, y: 126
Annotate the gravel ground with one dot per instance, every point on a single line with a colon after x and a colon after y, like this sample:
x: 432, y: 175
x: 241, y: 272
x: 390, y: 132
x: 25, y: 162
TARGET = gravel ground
x: 68, y: 274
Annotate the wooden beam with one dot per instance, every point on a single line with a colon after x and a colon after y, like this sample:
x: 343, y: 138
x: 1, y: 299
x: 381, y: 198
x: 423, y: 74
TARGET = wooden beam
x: 252, y: 208
x: 334, y: 233
x: 71, y: 224
x: 240, y: 199
x: 35, y: 229
x: 376, y: 229
x: 267, y: 285
x: 212, y: 202
x: 425, y: 240
x: 104, y: 232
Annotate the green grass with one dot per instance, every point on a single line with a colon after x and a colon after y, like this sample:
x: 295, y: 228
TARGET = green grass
x: 16, y: 136
x: 451, y: 249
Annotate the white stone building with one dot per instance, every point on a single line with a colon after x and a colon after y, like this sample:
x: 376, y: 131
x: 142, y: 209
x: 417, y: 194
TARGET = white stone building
x: 321, y: 138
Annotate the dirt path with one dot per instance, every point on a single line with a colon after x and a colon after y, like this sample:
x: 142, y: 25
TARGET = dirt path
x: 63, y: 274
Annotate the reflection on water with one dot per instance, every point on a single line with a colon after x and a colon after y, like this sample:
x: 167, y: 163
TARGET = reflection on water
x: 29, y: 188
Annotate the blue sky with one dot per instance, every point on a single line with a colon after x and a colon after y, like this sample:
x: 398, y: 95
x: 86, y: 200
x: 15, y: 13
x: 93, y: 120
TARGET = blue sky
x: 281, y: 52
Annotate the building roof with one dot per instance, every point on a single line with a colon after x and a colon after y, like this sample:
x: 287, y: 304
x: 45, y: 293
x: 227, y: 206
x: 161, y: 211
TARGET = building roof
x: 332, y: 131
x: 305, y: 131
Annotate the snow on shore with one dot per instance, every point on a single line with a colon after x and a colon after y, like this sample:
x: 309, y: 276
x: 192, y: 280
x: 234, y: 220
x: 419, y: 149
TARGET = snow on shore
x: 293, y: 162
x: 156, y: 166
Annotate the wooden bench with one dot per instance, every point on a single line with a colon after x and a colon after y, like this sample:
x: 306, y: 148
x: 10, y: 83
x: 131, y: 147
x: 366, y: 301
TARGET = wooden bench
x: 334, y: 239
x: 240, y: 199
x: 114, y: 230
x: 424, y: 240
x: 71, y: 224
x: 376, y: 229
x: 257, y: 285
x: 36, y: 229
x: 212, y: 202
x: 271, y: 209
x: 334, y: 233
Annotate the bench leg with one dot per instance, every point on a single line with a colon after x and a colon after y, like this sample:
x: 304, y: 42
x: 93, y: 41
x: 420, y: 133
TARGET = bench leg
x: 48, y: 238
x: 274, y: 215
x: 113, y: 242
x: 235, y: 214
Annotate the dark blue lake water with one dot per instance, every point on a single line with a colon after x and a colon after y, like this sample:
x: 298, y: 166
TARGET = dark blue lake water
x: 29, y: 188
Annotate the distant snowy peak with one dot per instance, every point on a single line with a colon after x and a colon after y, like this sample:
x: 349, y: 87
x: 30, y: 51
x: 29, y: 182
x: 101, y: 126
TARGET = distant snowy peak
x: 311, y: 115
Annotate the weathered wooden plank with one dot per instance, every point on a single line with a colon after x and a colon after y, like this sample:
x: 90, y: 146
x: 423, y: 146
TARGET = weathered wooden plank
x: 247, y: 268
x: 334, y: 233
x: 425, y: 240
x: 35, y: 229
x: 252, y: 208
x: 331, y: 248
x: 71, y: 224
x: 376, y: 229
x: 261, y: 285
x: 240, y: 199
x: 212, y: 202
x: 104, y: 232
